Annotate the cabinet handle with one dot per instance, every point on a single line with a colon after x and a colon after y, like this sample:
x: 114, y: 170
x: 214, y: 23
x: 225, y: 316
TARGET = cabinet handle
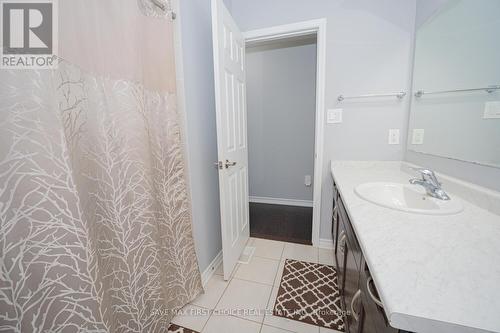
x: 335, y: 209
x: 375, y: 299
x: 356, y: 296
x: 342, y: 241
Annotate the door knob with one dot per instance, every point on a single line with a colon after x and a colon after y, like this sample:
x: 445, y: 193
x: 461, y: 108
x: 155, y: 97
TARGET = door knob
x: 229, y: 164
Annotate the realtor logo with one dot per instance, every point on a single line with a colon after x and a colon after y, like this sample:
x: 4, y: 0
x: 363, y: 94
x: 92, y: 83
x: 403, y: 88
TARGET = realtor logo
x: 29, y: 32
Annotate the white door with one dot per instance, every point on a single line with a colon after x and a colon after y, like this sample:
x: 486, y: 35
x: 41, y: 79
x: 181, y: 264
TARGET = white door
x: 230, y: 97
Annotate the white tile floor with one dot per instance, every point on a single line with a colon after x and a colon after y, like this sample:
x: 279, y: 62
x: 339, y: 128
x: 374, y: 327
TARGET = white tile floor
x: 252, y: 286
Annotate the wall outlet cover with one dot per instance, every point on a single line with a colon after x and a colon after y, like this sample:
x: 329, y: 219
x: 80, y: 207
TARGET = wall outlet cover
x: 417, y: 137
x: 394, y: 136
x: 492, y: 110
x: 307, y: 180
x: 334, y: 116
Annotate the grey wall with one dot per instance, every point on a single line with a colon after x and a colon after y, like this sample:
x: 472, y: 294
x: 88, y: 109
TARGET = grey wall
x: 229, y: 5
x: 427, y: 8
x: 369, y: 48
x: 281, y: 102
x: 196, y: 40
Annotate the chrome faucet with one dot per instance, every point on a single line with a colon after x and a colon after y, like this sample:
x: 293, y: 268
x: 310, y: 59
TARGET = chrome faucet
x: 431, y: 184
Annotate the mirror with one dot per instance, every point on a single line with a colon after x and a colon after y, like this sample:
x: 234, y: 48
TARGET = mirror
x: 455, y: 109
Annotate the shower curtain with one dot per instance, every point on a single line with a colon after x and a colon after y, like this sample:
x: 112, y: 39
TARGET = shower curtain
x: 94, y: 206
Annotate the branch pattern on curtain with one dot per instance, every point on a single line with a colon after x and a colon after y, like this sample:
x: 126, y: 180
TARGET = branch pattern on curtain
x: 95, y: 218
x: 155, y: 8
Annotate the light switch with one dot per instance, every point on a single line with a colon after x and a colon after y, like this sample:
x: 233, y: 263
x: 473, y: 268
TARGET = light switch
x: 491, y: 110
x: 334, y: 116
x: 417, y: 137
x: 394, y: 137
x: 307, y: 180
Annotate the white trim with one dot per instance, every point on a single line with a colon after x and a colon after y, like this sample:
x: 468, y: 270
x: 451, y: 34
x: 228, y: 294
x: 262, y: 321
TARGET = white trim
x: 326, y: 244
x: 210, y: 270
x: 280, y: 201
x: 303, y: 28
x: 317, y: 27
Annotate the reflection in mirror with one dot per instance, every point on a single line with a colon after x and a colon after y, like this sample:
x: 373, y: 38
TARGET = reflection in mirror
x: 455, y: 109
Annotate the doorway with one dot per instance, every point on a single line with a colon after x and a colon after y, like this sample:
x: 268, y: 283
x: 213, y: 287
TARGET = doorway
x: 306, y: 29
x: 281, y: 107
x: 231, y: 119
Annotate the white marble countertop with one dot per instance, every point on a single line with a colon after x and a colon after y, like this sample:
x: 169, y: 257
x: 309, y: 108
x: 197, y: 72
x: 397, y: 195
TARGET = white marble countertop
x: 434, y: 274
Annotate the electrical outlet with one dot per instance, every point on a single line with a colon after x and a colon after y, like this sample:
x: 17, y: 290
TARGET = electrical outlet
x: 417, y: 137
x: 491, y: 110
x: 394, y: 136
x: 334, y: 116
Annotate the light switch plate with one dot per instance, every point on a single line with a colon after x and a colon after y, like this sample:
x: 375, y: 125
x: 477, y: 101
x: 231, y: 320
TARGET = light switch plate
x: 334, y: 116
x: 394, y: 136
x: 417, y: 137
x: 491, y: 110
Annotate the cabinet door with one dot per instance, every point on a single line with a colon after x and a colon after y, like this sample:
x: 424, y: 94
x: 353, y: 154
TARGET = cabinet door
x: 374, y: 314
x: 340, y: 255
x: 352, y: 292
x: 366, y: 324
x: 351, y: 236
x: 335, y: 224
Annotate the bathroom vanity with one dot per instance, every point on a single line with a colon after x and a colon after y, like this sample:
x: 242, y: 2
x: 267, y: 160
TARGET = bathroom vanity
x: 421, y: 271
x: 360, y: 300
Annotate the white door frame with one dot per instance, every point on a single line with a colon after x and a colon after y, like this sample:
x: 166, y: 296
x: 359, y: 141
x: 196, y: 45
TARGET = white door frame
x: 313, y: 27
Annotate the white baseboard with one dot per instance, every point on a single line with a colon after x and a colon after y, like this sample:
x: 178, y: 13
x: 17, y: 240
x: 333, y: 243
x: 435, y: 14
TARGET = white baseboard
x: 326, y: 244
x: 210, y: 270
x: 279, y: 201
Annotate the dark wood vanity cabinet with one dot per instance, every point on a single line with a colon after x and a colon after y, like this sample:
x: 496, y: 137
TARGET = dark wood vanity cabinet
x: 350, y: 288
x: 335, y: 217
x: 373, y: 315
x: 363, y: 311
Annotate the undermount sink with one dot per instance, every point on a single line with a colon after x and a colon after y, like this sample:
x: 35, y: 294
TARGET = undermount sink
x: 407, y: 198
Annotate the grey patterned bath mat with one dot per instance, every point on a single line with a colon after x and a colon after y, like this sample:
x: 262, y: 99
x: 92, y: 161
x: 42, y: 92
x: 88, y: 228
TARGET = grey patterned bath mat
x: 309, y: 293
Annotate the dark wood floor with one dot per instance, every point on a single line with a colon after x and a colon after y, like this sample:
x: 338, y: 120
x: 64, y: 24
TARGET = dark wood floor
x: 280, y: 222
